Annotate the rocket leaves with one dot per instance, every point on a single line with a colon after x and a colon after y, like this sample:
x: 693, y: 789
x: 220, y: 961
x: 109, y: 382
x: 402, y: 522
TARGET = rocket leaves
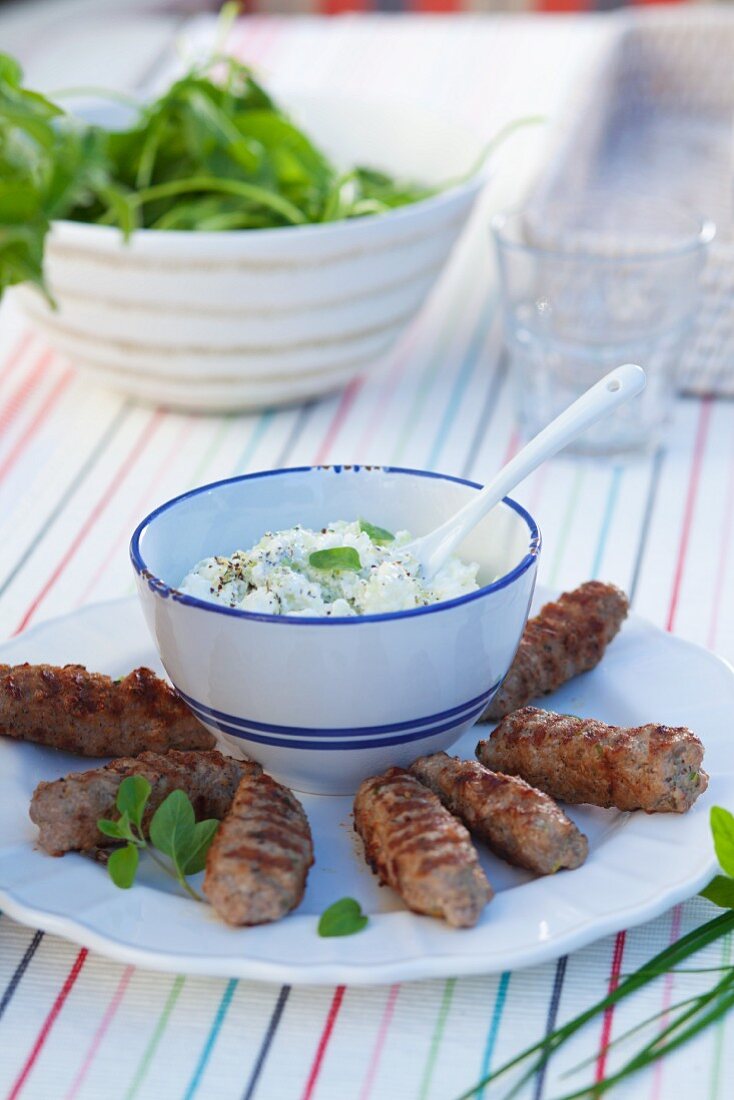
x: 214, y: 152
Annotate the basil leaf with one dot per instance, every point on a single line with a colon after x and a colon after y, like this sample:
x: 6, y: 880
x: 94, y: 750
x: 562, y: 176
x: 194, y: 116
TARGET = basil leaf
x: 132, y: 797
x: 722, y: 827
x: 111, y: 828
x: 377, y: 534
x: 204, y: 833
x: 172, y: 827
x: 720, y: 891
x: 336, y: 558
x: 343, y: 918
x: 122, y: 866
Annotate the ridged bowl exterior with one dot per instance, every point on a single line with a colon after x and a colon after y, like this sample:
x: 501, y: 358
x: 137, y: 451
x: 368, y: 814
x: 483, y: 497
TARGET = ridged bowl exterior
x: 225, y: 321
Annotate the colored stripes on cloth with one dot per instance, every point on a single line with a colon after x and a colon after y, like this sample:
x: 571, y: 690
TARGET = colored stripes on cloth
x: 48, y: 1023
x: 79, y: 467
x: 442, y: 7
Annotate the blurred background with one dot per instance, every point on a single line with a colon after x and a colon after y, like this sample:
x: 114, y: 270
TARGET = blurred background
x: 329, y: 7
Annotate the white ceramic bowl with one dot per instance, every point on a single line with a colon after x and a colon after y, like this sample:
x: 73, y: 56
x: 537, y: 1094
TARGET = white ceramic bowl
x: 323, y: 703
x: 241, y: 320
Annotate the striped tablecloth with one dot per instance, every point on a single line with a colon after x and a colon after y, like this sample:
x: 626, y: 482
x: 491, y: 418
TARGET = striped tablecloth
x: 79, y: 466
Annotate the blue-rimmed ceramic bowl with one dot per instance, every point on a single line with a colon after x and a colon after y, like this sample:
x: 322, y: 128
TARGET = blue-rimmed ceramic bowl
x: 322, y: 703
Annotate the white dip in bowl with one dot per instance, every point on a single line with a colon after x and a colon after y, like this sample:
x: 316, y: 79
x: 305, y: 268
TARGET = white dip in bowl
x: 343, y: 569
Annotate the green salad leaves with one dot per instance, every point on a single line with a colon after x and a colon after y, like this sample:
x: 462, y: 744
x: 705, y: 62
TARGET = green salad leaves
x: 47, y: 168
x: 214, y: 152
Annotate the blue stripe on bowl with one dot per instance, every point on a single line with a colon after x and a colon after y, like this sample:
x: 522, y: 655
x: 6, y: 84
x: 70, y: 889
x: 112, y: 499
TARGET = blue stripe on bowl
x: 360, y: 743
x: 209, y: 714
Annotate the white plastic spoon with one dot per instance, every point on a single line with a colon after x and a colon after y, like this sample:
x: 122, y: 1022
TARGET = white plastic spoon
x: 622, y: 383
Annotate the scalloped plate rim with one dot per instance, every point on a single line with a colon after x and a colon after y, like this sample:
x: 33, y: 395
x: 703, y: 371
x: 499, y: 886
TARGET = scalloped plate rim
x: 588, y: 925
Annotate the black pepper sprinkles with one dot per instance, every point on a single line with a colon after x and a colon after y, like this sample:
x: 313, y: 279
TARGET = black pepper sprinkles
x: 343, y: 570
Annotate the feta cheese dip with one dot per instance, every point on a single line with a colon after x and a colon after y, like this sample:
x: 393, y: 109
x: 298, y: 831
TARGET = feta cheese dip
x: 345, y: 569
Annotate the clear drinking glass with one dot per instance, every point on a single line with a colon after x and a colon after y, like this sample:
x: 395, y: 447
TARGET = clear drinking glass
x: 589, y: 286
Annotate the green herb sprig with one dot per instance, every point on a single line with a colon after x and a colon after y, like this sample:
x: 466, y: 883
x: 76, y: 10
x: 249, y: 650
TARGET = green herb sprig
x: 687, y: 1018
x: 173, y: 831
x: 343, y: 918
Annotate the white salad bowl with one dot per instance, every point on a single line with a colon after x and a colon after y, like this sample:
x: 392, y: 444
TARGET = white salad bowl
x: 252, y: 318
x: 324, y: 702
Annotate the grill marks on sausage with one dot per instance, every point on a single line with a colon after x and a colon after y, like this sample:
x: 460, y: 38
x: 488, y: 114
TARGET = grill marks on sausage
x: 520, y: 824
x: 253, y: 854
x: 67, y: 810
x: 258, y: 863
x: 419, y: 849
x: 655, y: 768
x: 568, y: 637
x: 90, y: 714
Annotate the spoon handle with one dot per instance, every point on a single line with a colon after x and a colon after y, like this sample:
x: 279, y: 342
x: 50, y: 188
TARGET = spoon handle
x: 612, y: 390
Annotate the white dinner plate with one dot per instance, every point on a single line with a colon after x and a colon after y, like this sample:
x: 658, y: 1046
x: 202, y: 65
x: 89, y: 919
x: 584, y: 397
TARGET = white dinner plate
x: 638, y: 866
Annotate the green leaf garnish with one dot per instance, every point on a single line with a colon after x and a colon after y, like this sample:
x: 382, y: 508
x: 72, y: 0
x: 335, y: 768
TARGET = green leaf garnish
x: 172, y: 826
x: 122, y: 866
x: 174, y: 832
x: 722, y: 827
x: 204, y: 833
x: 114, y: 829
x: 132, y: 798
x: 336, y: 558
x: 343, y: 918
x: 377, y: 534
x: 720, y: 891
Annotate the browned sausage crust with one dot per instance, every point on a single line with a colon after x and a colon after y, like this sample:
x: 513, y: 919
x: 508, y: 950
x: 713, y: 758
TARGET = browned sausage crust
x: 567, y: 637
x: 518, y: 823
x: 652, y: 768
x: 91, y: 715
x: 419, y: 849
x: 257, y: 865
x: 67, y: 810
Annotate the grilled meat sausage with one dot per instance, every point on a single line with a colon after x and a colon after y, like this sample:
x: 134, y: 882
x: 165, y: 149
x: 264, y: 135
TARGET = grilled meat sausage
x: 419, y: 849
x: 257, y: 864
x: 67, y: 810
x: 567, y: 637
x: 652, y: 768
x: 89, y: 714
x: 518, y: 823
